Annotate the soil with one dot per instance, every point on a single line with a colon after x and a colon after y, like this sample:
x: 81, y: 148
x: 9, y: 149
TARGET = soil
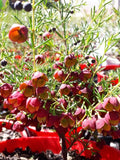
x: 6, y: 134
x: 27, y: 154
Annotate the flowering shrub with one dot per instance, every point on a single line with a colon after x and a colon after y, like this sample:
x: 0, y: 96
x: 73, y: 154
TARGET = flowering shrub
x: 52, y: 79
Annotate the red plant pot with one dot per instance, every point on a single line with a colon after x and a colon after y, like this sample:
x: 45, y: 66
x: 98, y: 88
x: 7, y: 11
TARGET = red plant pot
x: 45, y: 140
x: 106, y: 152
x: 100, y: 75
x: 36, y: 144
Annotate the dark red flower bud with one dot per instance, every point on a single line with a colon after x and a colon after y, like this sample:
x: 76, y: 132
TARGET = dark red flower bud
x: 58, y: 65
x: 22, y: 117
x: 112, y: 117
x: 16, y: 98
x: 33, y: 104
x: 107, y: 105
x: 47, y: 35
x: 6, y: 90
x: 42, y: 92
x: 39, y: 59
x: 18, y: 126
x: 70, y: 60
x: 39, y: 79
x: 59, y: 75
x: 7, y: 105
x: 85, y: 75
x: 67, y: 121
x: 42, y: 116
x: 65, y: 89
x: 27, y: 88
x: 79, y: 113
x: 18, y: 33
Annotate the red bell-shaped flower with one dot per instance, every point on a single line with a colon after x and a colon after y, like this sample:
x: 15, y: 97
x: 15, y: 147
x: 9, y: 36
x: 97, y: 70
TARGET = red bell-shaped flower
x: 6, y: 90
x: 33, y: 104
x: 18, y: 33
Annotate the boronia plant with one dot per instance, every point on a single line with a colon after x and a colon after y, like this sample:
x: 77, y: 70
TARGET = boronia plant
x: 54, y: 74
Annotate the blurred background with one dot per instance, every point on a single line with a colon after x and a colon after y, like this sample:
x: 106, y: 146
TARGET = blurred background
x: 90, y: 3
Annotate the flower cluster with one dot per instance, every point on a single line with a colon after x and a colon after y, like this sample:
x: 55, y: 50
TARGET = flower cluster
x: 71, y: 103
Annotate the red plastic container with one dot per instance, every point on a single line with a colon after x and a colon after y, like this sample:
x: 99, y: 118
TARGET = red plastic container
x: 45, y: 140
x: 39, y: 141
x: 36, y: 144
x: 106, y: 152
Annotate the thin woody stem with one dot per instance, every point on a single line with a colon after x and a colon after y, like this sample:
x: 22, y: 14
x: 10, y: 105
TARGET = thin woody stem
x: 33, y: 34
x: 64, y: 148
